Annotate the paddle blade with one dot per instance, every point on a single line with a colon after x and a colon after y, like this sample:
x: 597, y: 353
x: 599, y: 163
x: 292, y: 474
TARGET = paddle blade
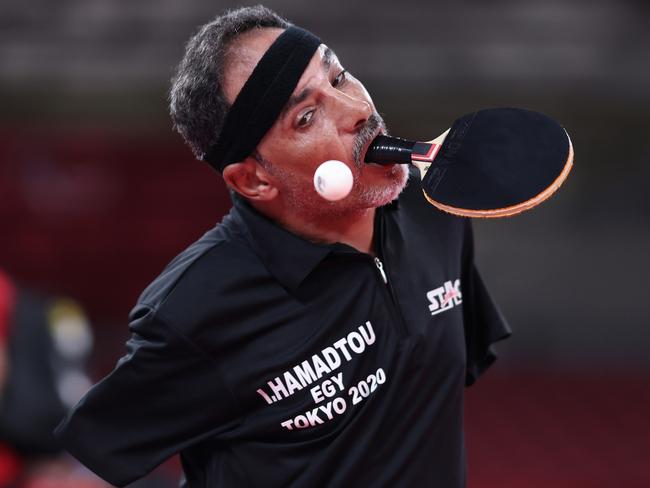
x: 498, y: 162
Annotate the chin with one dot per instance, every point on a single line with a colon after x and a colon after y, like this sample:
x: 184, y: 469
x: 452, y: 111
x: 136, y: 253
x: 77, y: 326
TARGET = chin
x: 369, y: 191
x: 384, y: 189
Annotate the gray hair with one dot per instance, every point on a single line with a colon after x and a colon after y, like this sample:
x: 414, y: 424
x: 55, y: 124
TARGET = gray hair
x: 197, y: 104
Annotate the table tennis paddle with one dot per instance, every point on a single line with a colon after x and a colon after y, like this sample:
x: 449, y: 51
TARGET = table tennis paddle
x: 491, y: 163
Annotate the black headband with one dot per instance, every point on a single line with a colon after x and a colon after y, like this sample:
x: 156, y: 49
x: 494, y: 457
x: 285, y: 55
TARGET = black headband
x: 263, y: 97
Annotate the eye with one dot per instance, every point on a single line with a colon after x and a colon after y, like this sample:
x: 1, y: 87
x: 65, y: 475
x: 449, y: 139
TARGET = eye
x: 305, y: 119
x: 340, y: 79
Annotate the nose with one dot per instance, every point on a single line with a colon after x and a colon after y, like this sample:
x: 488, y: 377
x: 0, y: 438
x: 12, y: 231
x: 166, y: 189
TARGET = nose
x: 352, y: 112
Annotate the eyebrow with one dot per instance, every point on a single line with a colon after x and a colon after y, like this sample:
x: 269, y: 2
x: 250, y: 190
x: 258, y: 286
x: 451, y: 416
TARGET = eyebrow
x: 294, y: 100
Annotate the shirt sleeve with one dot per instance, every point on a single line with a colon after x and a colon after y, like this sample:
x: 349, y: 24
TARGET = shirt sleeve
x: 484, y: 323
x: 164, y: 395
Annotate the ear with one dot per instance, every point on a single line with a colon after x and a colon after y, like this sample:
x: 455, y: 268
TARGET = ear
x: 250, y: 180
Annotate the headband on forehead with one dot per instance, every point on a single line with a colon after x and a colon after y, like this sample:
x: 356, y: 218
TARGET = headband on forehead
x: 263, y: 97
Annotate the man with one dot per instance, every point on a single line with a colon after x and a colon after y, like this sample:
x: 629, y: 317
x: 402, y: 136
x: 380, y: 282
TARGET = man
x: 300, y: 342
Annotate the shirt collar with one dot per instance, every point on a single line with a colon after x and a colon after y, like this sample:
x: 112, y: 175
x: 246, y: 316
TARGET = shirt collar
x: 289, y: 257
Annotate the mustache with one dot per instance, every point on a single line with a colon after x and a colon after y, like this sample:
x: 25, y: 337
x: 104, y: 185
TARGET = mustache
x: 365, y: 135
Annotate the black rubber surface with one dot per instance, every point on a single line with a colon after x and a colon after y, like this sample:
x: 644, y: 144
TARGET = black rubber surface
x: 497, y: 158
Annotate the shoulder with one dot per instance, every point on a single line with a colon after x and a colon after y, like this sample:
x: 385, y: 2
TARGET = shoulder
x: 204, y: 280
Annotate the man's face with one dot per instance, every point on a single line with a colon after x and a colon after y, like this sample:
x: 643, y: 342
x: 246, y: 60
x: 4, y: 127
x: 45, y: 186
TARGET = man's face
x: 330, y: 115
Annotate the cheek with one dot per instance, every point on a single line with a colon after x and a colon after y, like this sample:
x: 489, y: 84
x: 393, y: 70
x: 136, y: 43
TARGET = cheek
x: 302, y: 152
x: 318, y: 145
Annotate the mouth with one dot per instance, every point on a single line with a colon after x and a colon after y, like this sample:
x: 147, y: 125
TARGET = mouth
x: 362, y: 159
x: 371, y: 129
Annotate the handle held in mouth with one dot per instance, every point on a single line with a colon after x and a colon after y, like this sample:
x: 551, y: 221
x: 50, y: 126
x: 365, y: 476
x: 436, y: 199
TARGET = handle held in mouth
x: 394, y: 150
x: 389, y: 150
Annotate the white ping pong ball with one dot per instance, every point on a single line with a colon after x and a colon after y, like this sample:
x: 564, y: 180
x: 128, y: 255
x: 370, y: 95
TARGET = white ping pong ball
x: 333, y: 180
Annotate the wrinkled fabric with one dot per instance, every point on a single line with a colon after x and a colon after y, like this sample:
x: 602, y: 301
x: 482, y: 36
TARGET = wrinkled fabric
x: 268, y: 360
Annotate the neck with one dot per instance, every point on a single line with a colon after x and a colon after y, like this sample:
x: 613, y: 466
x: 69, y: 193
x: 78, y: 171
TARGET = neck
x: 354, y: 228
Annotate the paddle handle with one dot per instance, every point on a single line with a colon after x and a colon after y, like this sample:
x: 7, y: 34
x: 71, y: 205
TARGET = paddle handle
x: 391, y: 150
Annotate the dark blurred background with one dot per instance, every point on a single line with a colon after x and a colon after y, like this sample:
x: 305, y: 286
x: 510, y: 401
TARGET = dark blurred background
x: 97, y: 193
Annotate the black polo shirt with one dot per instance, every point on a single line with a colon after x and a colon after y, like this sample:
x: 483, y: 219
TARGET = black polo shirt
x: 268, y: 360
